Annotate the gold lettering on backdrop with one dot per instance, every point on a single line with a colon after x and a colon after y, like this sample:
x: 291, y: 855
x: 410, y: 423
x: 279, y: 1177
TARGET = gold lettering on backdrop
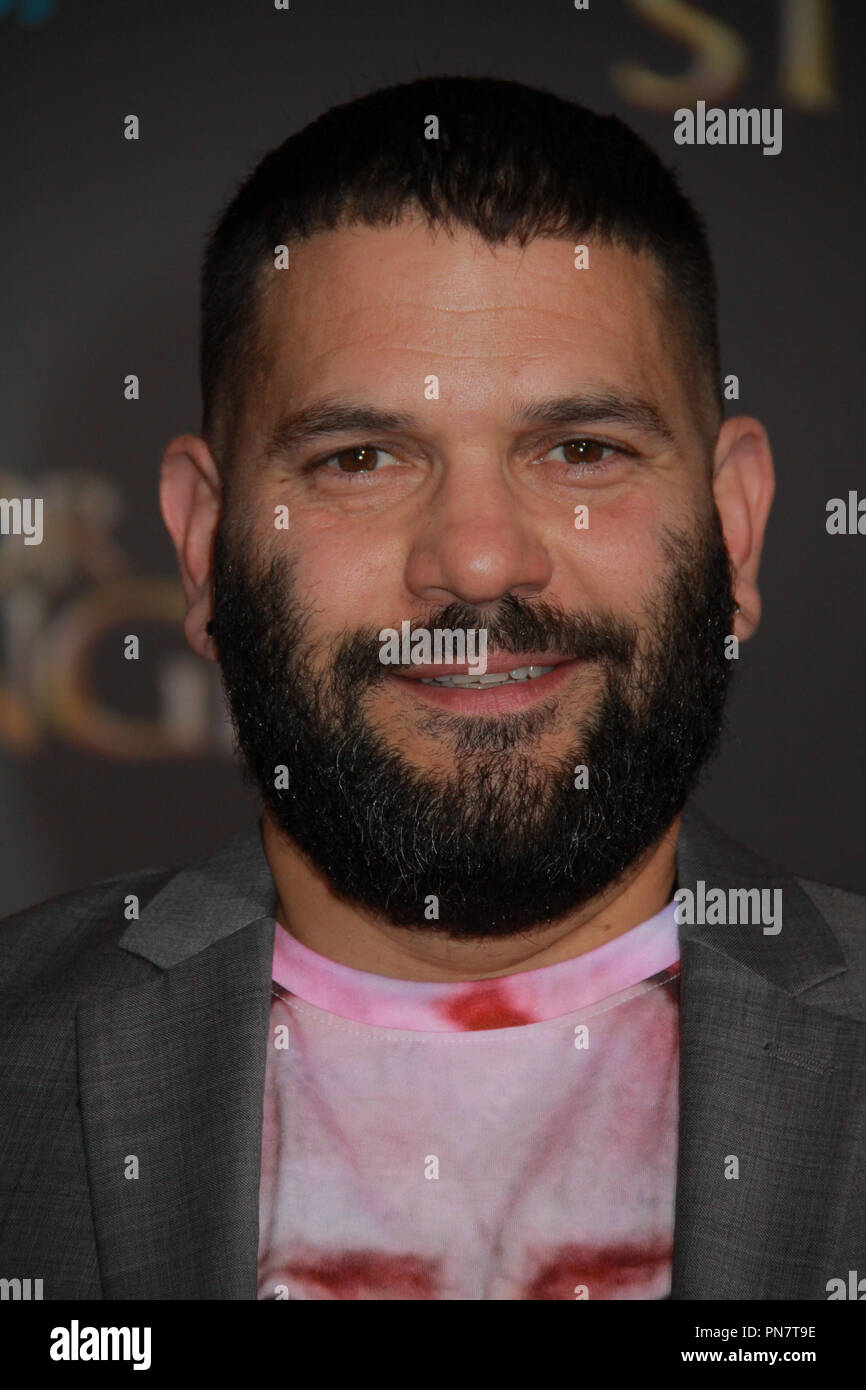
x: 806, y: 70
x: 63, y: 601
x: 721, y: 60
x: 67, y: 698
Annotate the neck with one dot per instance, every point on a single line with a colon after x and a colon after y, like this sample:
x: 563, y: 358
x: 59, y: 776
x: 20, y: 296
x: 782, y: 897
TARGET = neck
x: 315, y: 916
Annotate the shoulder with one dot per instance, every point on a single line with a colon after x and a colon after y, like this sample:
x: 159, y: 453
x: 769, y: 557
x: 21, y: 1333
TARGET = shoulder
x: 74, y: 935
x: 845, y: 913
x: 824, y: 943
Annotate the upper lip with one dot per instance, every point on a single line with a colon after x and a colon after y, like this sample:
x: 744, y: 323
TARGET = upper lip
x: 497, y: 662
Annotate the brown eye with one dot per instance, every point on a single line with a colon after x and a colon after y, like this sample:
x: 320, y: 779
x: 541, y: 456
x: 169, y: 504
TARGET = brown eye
x: 362, y: 460
x: 584, y: 450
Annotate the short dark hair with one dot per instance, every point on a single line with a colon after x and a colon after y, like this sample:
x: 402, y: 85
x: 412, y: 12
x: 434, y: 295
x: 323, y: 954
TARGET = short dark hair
x: 510, y: 161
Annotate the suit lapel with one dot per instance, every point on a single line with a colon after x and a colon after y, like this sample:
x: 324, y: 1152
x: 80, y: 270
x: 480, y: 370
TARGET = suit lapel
x: 171, y: 1077
x: 766, y: 1080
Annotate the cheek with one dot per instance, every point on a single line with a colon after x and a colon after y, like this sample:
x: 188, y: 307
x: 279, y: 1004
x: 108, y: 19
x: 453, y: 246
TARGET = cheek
x: 350, y: 572
x: 618, y: 559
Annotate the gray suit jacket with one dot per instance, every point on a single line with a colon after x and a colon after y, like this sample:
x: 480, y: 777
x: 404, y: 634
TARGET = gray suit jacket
x: 149, y: 1038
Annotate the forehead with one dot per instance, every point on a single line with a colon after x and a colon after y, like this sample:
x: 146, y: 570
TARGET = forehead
x: 373, y: 311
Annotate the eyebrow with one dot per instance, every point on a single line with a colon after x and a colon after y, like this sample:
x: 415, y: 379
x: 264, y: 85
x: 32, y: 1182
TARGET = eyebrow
x: 335, y: 416
x: 594, y: 407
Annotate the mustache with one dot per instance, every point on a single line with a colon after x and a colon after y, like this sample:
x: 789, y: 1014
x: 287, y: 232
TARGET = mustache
x: 512, y: 625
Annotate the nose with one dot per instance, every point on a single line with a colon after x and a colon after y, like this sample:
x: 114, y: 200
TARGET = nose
x: 477, y: 542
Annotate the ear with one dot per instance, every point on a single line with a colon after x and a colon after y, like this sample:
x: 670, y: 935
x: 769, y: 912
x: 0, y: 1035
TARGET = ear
x: 743, y: 487
x: 190, y: 496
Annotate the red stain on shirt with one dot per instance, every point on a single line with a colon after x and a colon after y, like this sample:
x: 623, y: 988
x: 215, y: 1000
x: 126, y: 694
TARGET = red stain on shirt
x: 485, y: 1005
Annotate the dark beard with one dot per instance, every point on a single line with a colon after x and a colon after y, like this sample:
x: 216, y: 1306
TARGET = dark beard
x: 507, y: 842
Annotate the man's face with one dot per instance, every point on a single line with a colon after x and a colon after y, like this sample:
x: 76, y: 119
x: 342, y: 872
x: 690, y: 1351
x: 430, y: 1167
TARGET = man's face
x: 463, y: 515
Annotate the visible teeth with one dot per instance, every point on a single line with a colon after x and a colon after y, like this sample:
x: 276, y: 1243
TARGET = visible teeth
x: 529, y: 673
x: 520, y: 673
x: 490, y: 678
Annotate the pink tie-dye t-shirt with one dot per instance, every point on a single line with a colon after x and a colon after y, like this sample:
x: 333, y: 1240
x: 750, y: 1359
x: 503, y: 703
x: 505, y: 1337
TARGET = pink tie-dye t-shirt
x: 499, y: 1139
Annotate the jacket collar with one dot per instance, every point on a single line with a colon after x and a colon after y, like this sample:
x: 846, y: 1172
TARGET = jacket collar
x: 802, y: 954
x: 205, y: 901
x: 224, y: 891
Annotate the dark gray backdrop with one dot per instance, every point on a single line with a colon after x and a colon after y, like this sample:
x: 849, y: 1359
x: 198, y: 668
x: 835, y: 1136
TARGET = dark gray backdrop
x: 101, y: 239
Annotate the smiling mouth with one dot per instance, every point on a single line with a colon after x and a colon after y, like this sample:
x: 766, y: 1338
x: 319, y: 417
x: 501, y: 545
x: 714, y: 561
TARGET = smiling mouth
x: 511, y: 683
x: 489, y: 679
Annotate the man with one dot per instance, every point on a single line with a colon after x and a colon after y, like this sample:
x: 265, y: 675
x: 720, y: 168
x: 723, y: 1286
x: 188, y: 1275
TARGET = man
x: 481, y: 1009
